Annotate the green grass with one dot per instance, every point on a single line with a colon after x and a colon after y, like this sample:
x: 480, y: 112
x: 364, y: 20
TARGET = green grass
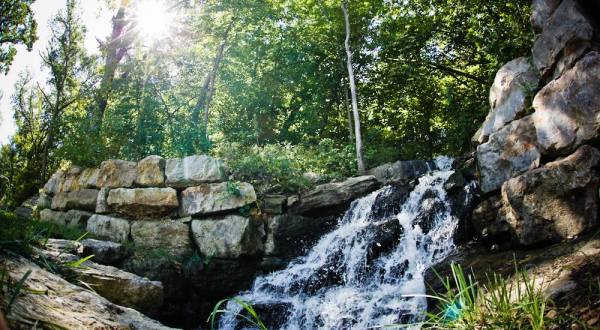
x: 251, y: 318
x: 500, y: 303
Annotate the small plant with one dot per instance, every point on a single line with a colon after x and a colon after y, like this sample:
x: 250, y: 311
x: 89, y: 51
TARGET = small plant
x: 252, y: 318
x: 500, y: 304
x: 234, y: 188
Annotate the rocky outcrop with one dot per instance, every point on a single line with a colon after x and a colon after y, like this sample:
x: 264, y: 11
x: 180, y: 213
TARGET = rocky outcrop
x: 215, y: 198
x: 509, y: 152
x: 104, y: 252
x: 151, y: 172
x: 289, y: 235
x: 143, y: 202
x: 84, y: 199
x: 64, y: 305
x: 115, y: 229
x: 564, y: 38
x: 116, y: 174
x: 171, y: 235
x: 541, y: 10
x: 329, y: 198
x: 508, y: 96
x: 89, y: 178
x: 101, y: 202
x: 401, y: 172
x: 71, y: 218
x: 228, y: 237
x: 556, y: 201
x: 194, y: 170
x: 567, y: 110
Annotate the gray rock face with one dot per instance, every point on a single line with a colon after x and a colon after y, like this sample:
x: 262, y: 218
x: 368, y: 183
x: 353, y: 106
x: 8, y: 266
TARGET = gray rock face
x: 509, y: 152
x: 151, y: 172
x: 508, y: 95
x: 101, y: 202
x: 66, y: 305
x: 89, y: 178
x: 72, y: 218
x: 174, y: 236
x: 115, y: 229
x: 194, y: 170
x: 491, y: 228
x: 327, y: 198
x: 566, y: 32
x: 556, y: 201
x: 400, y: 171
x: 541, y: 10
x: 116, y: 174
x: 84, y: 199
x: 288, y: 235
x: 143, y: 202
x: 567, y: 110
x: 53, y: 185
x: 274, y: 204
x: 105, y: 252
x: 228, y: 237
x: 216, y: 197
x: 119, y: 287
x: 44, y: 201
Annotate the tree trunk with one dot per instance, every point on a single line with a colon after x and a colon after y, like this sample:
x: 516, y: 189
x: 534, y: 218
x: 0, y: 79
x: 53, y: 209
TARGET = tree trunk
x: 348, y: 111
x: 357, y: 133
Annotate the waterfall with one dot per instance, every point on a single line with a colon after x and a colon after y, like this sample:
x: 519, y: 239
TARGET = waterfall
x: 350, y: 279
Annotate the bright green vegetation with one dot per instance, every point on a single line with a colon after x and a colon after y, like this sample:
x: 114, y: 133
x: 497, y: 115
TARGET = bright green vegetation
x: 263, y: 84
x: 18, y: 27
x: 247, y: 314
x: 501, y: 303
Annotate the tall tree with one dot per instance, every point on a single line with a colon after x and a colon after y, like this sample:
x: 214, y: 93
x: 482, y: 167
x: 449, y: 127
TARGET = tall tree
x: 17, y: 26
x: 357, y: 131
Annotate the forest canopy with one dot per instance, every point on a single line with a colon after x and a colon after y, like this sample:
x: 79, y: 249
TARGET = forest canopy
x: 263, y: 84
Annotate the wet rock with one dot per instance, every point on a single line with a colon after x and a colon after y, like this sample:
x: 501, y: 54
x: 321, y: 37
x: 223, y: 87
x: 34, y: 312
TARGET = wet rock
x: 389, y: 203
x: 401, y: 171
x: 173, y: 236
x: 65, y: 305
x: 116, y: 173
x: 333, y: 198
x: 541, y: 10
x: 488, y: 226
x: 274, y: 204
x: 89, y: 178
x: 151, y: 172
x: 119, y: 287
x: 566, y: 34
x: 554, y: 202
x: 194, y: 170
x: 214, y: 198
x: 82, y: 200
x: 143, y: 202
x: 509, y: 152
x: 230, y: 236
x: 289, y: 235
x: 115, y: 229
x: 71, y: 218
x: 567, y: 110
x: 508, y: 95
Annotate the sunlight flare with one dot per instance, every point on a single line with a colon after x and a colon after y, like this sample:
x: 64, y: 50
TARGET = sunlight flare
x: 154, y: 19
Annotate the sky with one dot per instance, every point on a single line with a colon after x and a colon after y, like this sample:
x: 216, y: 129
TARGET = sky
x: 95, y: 15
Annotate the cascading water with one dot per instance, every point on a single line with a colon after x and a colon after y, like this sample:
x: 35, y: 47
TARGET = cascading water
x: 343, y: 284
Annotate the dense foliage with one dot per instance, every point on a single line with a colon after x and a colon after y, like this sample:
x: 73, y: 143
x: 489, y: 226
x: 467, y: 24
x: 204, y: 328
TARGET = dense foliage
x: 264, y: 85
x: 17, y: 26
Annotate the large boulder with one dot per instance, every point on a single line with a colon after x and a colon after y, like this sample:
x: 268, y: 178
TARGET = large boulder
x: 64, y: 305
x: 229, y: 237
x: 143, y: 202
x: 116, y: 173
x: 115, y: 229
x: 331, y: 198
x: 541, y: 10
x: 215, y: 198
x: 564, y: 38
x: 84, y: 199
x: 104, y: 252
x: 89, y: 178
x: 508, y: 95
x: 151, y: 172
x: 401, y: 171
x: 509, y: 152
x: 53, y: 185
x: 289, y: 235
x: 556, y: 201
x: 488, y: 226
x: 71, y: 218
x: 194, y: 170
x: 118, y: 286
x: 101, y: 202
x: 171, y: 235
x: 567, y: 110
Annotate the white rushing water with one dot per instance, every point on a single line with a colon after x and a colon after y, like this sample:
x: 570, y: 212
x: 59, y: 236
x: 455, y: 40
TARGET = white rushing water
x: 340, y: 284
